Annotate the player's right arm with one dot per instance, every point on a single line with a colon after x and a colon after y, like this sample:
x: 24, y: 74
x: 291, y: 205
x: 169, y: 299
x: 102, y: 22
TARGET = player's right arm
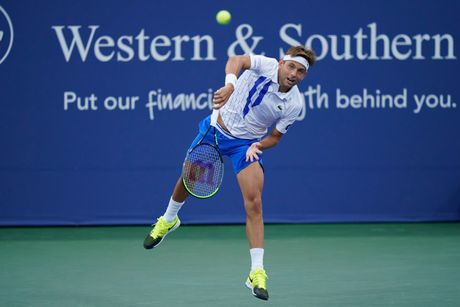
x: 237, y: 63
x: 234, y: 66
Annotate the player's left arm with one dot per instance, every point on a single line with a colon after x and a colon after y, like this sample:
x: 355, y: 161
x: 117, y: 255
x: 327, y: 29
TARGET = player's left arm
x: 276, y: 134
x: 269, y: 141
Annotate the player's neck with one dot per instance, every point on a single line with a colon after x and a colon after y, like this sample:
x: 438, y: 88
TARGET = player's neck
x: 284, y: 89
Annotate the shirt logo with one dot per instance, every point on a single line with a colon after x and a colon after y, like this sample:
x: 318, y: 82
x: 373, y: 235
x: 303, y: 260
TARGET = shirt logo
x: 6, y: 35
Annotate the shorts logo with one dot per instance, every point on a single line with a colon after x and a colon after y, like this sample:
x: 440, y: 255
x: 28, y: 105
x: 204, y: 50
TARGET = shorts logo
x: 6, y: 35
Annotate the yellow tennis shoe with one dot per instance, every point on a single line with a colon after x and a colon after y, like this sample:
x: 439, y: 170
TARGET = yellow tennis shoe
x: 160, y: 230
x: 257, y: 282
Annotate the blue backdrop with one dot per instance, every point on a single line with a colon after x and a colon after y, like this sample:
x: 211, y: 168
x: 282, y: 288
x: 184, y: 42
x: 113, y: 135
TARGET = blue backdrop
x: 100, y: 99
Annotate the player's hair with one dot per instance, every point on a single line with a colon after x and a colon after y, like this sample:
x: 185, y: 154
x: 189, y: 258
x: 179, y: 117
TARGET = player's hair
x: 307, y: 54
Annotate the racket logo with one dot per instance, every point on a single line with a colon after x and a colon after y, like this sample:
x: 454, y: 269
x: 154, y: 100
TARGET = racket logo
x: 202, y: 172
x: 6, y: 35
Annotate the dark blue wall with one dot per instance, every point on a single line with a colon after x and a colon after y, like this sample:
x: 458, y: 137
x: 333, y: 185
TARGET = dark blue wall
x: 342, y: 162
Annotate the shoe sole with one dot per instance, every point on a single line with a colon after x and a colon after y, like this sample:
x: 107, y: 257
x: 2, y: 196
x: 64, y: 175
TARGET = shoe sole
x: 249, y: 285
x: 169, y: 231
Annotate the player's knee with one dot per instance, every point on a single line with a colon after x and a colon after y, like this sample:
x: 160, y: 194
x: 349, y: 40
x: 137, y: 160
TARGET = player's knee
x: 253, y: 206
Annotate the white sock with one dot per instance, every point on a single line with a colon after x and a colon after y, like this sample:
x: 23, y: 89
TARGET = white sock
x: 257, y: 258
x: 171, y: 211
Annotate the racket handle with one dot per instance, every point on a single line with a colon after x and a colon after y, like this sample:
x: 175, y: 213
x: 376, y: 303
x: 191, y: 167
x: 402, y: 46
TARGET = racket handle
x: 214, y: 116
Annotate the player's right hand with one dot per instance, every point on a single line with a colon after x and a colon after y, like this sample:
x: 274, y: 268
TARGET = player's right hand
x: 222, y: 95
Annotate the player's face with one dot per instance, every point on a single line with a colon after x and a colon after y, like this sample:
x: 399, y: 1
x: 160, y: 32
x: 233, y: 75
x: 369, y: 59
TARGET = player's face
x: 290, y: 73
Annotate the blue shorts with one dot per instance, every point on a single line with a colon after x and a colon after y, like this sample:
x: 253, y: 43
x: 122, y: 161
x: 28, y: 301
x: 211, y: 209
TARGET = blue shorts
x: 229, y: 145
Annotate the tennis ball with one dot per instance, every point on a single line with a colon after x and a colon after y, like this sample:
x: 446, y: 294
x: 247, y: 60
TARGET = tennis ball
x: 223, y: 17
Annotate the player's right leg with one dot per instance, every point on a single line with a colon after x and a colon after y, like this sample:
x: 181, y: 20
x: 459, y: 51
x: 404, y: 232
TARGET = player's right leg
x: 169, y: 221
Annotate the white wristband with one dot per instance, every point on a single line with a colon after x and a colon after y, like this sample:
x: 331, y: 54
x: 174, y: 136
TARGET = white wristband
x: 230, y: 78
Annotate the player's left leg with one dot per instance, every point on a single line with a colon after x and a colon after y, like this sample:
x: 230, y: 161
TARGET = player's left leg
x: 251, y: 181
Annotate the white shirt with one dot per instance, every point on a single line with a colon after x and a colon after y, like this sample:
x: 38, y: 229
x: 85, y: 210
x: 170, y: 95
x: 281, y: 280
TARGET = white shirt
x: 256, y: 104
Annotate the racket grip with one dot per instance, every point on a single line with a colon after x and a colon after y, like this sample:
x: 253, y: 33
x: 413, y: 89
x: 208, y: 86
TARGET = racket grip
x: 214, y: 116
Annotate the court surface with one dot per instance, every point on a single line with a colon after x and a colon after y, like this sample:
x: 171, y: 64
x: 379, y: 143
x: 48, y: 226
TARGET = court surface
x: 308, y: 265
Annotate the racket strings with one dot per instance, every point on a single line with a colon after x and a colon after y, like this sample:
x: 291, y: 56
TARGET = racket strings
x: 203, y: 171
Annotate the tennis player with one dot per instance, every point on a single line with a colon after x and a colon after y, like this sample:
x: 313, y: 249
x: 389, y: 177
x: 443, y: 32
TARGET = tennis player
x: 265, y: 95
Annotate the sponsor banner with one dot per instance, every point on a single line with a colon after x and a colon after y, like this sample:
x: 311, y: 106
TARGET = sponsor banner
x: 99, y: 102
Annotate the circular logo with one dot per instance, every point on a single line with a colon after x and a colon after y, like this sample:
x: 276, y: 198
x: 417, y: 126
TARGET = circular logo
x: 6, y: 35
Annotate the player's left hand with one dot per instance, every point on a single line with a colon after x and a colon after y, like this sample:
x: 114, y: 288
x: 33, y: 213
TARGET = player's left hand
x: 253, y: 152
x: 222, y: 95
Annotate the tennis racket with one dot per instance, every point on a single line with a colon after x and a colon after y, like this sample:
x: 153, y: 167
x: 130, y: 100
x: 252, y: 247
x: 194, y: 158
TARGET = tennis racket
x: 203, y: 168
